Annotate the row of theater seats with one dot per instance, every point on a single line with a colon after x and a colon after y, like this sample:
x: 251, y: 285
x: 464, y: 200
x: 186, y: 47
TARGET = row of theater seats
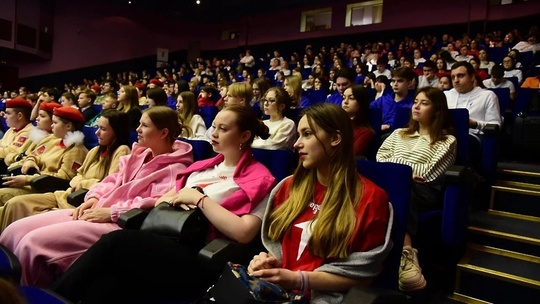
x: 443, y: 229
x: 448, y: 235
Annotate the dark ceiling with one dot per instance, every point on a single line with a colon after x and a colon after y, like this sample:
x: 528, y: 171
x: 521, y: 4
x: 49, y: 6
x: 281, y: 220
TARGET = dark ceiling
x: 215, y: 10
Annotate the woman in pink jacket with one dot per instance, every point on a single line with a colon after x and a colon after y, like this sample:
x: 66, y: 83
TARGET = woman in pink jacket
x: 234, y: 186
x: 47, y: 244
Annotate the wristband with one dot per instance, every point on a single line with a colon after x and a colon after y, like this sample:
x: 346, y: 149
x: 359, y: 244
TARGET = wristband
x: 305, y: 282
x: 302, y: 282
x: 201, y: 201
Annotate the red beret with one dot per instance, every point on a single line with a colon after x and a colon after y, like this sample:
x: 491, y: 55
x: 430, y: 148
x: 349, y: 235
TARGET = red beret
x: 69, y: 113
x: 156, y: 82
x: 18, y: 103
x: 96, y: 87
x: 49, y: 106
x: 140, y: 85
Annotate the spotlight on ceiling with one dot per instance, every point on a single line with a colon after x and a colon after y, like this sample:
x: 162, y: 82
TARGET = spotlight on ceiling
x: 198, y: 1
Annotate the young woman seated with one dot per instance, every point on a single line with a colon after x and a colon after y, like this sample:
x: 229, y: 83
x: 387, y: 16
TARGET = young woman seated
x: 234, y: 186
x: 188, y: 110
x: 101, y: 161
x: 48, y: 243
x: 326, y: 227
x: 356, y: 104
x: 282, y: 130
x: 428, y: 147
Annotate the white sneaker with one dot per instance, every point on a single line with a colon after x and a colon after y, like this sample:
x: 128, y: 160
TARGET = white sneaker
x: 410, y: 273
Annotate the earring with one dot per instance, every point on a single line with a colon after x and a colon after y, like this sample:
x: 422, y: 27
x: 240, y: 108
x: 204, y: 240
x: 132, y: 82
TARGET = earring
x: 241, y: 146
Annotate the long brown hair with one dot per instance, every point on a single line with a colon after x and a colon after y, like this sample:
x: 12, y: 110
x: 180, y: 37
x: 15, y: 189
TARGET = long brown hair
x: 189, y: 108
x: 132, y: 97
x: 337, y: 219
x: 441, y: 124
x: 117, y: 121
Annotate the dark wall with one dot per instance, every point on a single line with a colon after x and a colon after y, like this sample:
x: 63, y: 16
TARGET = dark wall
x: 94, y: 37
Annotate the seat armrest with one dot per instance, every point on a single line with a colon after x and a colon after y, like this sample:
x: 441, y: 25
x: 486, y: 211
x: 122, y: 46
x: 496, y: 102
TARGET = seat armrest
x: 492, y: 129
x: 17, y: 170
x: 10, y: 267
x: 454, y: 174
x: 76, y: 198
x: 132, y: 219
x: 373, y: 295
x: 47, y: 183
x: 220, y: 251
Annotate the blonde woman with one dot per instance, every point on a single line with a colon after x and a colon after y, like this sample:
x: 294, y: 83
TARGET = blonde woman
x: 326, y: 227
x: 293, y: 85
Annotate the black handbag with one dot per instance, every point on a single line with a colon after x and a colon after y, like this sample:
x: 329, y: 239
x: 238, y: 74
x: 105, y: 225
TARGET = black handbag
x: 175, y: 222
x: 236, y: 286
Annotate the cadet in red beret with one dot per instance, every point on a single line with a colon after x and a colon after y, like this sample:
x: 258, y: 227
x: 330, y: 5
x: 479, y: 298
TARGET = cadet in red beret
x: 155, y: 83
x: 15, y: 140
x: 49, y: 107
x: 69, y: 113
x: 96, y: 88
x: 18, y: 102
x: 60, y: 154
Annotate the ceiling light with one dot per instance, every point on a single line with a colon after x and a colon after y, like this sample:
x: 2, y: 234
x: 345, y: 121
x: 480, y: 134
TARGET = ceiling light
x: 198, y: 1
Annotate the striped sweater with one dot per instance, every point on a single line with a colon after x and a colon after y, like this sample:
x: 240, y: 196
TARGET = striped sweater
x: 428, y: 161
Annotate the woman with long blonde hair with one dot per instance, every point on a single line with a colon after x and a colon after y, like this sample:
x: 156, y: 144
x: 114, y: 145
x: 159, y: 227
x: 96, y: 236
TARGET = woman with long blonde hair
x: 324, y: 218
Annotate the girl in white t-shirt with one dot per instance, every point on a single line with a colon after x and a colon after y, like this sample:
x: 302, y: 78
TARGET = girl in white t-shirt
x: 282, y: 129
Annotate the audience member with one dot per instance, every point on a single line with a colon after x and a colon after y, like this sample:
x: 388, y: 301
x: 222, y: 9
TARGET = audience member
x: 143, y: 176
x: 356, y: 104
x: 282, y: 129
x: 86, y: 105
x: 326, y: 194
x: 188, y: 111
x: 156, y: 97
x: 60, y: 157
x: 15, y: 141
x: 344, y: 79
x: 497, y: 80
x: 234, y: 186
x: 429, y: 78
x: 388, y: 104
x: 101, y: 161
x: 428, y: 147
x: 129, y: 103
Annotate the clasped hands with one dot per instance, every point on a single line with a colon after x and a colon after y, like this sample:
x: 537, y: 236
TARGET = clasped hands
x: 86, y: 212
x: 186, y: 198
x: 267, y: 267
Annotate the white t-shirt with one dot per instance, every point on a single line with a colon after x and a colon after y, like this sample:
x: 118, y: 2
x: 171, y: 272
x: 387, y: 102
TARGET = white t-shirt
x: 218, y: 184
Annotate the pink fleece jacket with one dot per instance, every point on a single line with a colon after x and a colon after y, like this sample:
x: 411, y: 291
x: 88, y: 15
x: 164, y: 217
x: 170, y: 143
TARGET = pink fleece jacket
x: 253, y: 178
x: 139, y: 185
x: 48, y: 243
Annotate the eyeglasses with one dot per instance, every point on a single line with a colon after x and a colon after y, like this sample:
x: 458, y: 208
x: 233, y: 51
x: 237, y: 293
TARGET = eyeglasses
x: 268, y: 101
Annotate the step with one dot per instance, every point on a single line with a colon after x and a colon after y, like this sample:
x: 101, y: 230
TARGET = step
x: 499, y: 276
x: 456, y: 296
x: 516, y: 197
x: 505, y: 230
x: 520, y: 169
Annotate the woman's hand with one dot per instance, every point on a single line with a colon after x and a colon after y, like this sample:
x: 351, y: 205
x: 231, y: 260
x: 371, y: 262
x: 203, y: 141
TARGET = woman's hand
x: 96, y: 215
x: 27, y: 165
x: 285, y: 278
x: 78, y: 212
x: 17, y: 181
x: 418, y: 179
x: 262, y: 260
x: 186, y: 198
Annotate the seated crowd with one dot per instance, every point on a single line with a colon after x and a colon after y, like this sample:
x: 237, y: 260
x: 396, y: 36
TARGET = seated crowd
x: 330, y: 108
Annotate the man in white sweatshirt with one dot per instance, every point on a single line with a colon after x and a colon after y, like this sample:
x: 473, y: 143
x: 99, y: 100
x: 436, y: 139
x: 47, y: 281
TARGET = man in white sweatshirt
x: 483, y: 105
